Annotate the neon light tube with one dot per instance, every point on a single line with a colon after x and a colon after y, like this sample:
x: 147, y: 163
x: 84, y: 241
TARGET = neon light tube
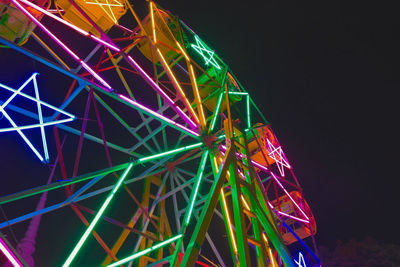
x: 153, y: 113
x: 167, y: 153
x: 216, y: 111
x: 293, y: 217
x: 46, y: 152
x: 9, y: 254
x: 94, y: 74
x: 255, y: 163
x: 169, y: 100
x: 143, y: 252
x: 83, y: 32
x: 10, y: 129
x: 96, y: 219
x: 198, y: 181
x: 152, y: 22
x: 235, y: 249
x: 286, y: 192
x: 245, y: 202
x: 248, y: 111
x: 27, y: 13
x: 22, y: 135
x: 177, y: 85
x: 183, y: 51
x: 203, y: 119
x: 34, y: 99
x: 270, y: 252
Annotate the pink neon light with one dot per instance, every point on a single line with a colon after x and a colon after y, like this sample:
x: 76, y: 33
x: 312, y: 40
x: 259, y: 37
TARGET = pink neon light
x: 286, y: 192
x: 59, y: 42
x: 9, y: 254
x: 241, y: 156
x: 171, y: 102
x: 94, y: 74
x: 69, y: 24
x: 45, y: 29
x: 287, y: 215
x: 281, y: 162
x: 157, y: 115
x: 54, y: 17
x: 105, y: 43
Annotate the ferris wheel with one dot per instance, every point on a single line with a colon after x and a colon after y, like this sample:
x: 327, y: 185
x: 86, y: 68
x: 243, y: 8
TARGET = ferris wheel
x: 155, y: 153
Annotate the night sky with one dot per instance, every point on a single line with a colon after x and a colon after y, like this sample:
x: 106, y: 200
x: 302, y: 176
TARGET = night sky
x: 324, y: 74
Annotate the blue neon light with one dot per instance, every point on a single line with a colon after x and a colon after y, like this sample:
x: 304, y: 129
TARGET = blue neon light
x: 301, y: 262
x: 39, y: 125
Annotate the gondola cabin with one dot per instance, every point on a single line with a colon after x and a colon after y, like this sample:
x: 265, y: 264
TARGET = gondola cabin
x: 288, y: 211
x: 15, y: 26
x: 104, y: 13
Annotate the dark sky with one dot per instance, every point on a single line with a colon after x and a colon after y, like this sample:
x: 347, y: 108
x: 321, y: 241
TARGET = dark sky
x: 324, y: 74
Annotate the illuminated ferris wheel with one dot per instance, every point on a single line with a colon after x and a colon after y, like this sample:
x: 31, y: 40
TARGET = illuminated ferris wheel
x: 148, y: 139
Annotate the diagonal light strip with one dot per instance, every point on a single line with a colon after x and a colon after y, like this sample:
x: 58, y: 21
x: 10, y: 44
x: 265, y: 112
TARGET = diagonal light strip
x: 96, y: 218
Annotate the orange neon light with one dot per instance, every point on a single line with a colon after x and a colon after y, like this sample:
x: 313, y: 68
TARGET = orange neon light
x: 245, y: 202
x: 152, y: 22
x: 235, y: 249
x: 183, y: 51
x: 203, y: 119
x: 271, y: 256
x: 177, y: 85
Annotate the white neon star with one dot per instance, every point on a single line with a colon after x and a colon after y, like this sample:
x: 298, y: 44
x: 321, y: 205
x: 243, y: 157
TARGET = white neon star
x: 200, y: 48
x: 108, y: 11
x: 279, y: 157
x: 41, y: 123
x: 301, y: 262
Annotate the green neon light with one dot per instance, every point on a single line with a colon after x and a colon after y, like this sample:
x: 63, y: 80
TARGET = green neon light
x: 207, y: 54
x: 168, y: 153
x: 237, y: 93
x: 143, y: 252
x: 197, y: 186
x: 96, y: 219
x: 216, y: 111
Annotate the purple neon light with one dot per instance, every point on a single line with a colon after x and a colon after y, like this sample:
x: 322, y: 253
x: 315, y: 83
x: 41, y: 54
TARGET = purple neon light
x: 288, y: 215
x: 9, y: 254
x: 27, y: 13
x: 287, y: 193
x: 241, y: 156
x: 136, y: 104
x: 83, y: 32
x: 171, y: 102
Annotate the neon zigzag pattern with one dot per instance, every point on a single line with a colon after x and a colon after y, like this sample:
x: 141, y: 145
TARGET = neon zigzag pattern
x: 41, y: 123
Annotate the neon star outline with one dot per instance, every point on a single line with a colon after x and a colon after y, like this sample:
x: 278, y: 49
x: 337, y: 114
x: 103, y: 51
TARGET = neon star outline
x: 109, y: 5
x: 301, y: 261
x: 200, y: 47
x: 281, y: 160
x: 41, y: 123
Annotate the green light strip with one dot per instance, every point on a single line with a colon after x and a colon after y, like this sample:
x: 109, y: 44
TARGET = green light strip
x: 143, y: 252
x: 238, y: 93
x: 216, y: 111
x: 197, y: 186
x: 168, y: 153
x: 96, y: 219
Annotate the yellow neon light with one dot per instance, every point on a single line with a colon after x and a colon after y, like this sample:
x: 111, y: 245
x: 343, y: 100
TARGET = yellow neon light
x: 271, y: 256
x: 183, y: 51
x: 177, y: 85
x: 109, y: 13
x: 152, y: 22
x: 235, y: 249
x: 245, y: 202
x: 203, y: 119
